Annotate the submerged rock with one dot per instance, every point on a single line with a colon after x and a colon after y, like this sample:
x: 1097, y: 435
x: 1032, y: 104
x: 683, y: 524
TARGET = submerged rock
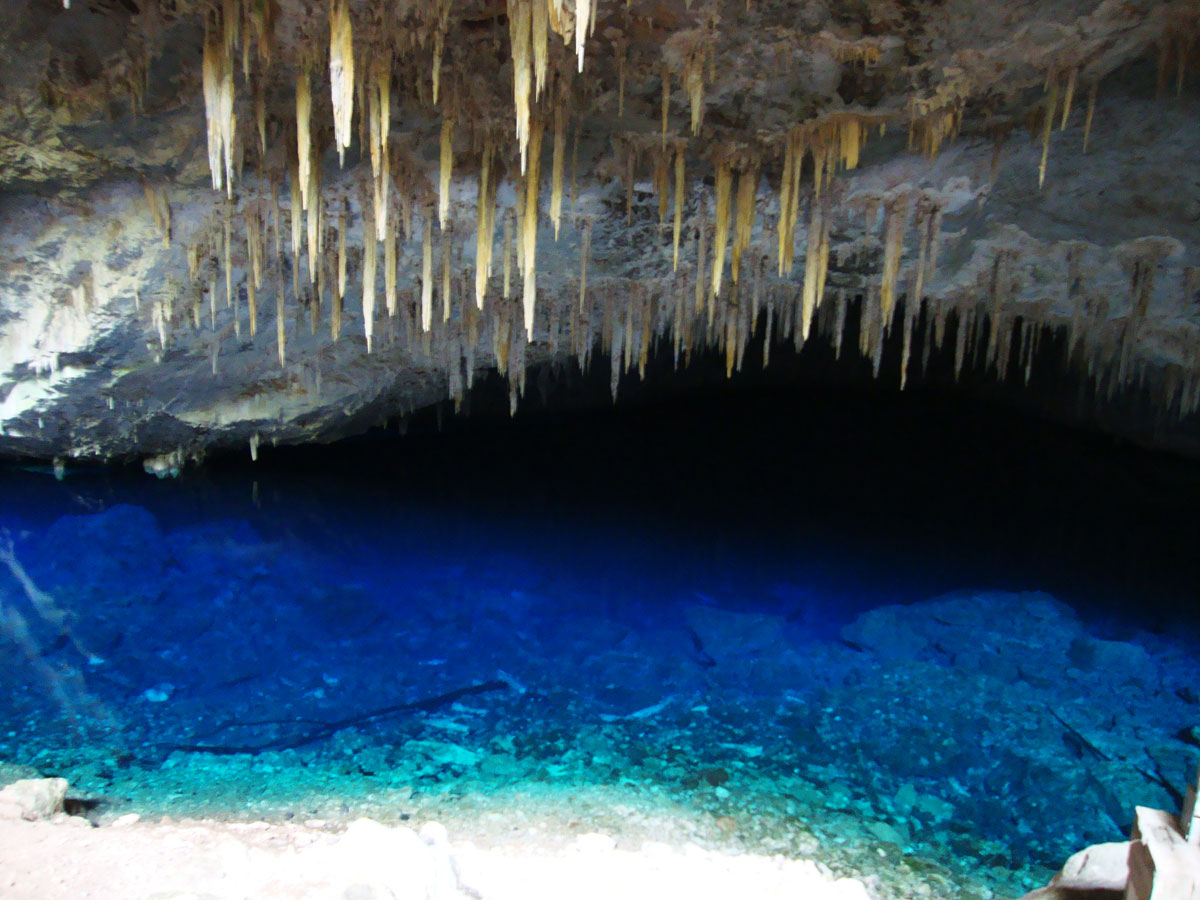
x: 733, y: 636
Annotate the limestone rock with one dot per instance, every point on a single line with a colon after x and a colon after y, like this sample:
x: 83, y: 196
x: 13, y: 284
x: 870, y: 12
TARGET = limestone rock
x: 33, y: 798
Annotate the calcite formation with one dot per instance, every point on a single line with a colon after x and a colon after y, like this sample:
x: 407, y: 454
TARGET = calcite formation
x: 926, y: 174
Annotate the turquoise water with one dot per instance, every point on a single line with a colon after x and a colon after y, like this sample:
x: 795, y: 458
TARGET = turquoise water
x: 918, y: 642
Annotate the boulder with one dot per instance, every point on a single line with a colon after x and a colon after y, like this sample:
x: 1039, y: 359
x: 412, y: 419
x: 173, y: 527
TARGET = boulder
x: 33, y: 798
x: 1096, y: 873
x: 887, y: 632
x: 734, y: 636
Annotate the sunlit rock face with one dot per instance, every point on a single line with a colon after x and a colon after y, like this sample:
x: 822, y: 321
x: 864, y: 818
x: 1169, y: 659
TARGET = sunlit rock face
x: 227, y: 221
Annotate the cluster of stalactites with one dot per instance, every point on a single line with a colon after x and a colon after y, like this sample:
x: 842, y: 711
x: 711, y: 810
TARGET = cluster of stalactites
x: 530, y: 23
x: 931, y: 126
x: 341, y: 73
x: 832, y: 141
x: 236, y: 23
x: 1060, y: 90
x: 217, y: 76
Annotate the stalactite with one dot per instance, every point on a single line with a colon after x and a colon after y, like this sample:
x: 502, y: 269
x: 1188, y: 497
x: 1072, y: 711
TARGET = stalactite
x: 471, y: 341
x: 1047, y: 126
x: 962, y: 327
x: 723, y: 189
x: 812, y: 262
x: 786, y: 225
x: 823, y: 256
x: 341, y: 73
x: 529, y: 224
x: 439, y: 46
x: 876, y: 336
x: 341, y: 249
x: 508, y: 235
x: 701, y: 262
x: 227, y: 262
x: 575, y: 160
x: 280, y: 318
x: 645, y: 339
x: 447, y: 169
x: 839, y: 324
x: 335, y: 306
x: 447, y: 246
x: 584, y: 22
x: 756, y: 294
x: 304, y: 131
x: 539, y: 26
x: 585, y: 252
x: 556, y: 167
x: 389, y: 262
x: 427, y: 274
x: 820, y: 157
x: 614, y: 360
x: 662, y: 185
x: 746, y: 196
x: 893, y: 246
x: 379, y: 104
x: 934, y: 227
x: 678, y: 224
x: 910, y: 314
x: 1072, y: 76
x: 621, y: 50
x: 520, y: 35
x: 924, y: 218
x: 297, y: 227
x: 367, y: 118
x: 484, y: 225
x: 217, y: 76
x: 1029, y: 350
x: 275, y: 212
x: 254, y: 276
x: 314, y: 222
x: 370, y: 251
x: 996, y: 282
x: 260, y: 118
x: 693, y: 82
x: 1181, y: 60
x: 160, y: 210
x: 1087, y: 120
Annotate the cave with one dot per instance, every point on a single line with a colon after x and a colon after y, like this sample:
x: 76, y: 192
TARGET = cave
x: 649, y: 448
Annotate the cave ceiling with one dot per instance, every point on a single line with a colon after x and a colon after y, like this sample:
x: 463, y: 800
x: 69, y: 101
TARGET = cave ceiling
x: 233, y: 221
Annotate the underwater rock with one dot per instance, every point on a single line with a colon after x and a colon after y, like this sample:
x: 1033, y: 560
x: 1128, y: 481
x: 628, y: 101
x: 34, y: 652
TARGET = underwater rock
x: 994, y: 632
x: 732, y: 636
x: 885, y: 633
x: 1120, y: 660
x: 444, y: 753
x: 82, y: 557
x: 33, y: 798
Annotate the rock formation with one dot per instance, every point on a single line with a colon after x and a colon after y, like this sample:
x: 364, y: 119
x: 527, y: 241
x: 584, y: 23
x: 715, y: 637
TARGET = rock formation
x: 198, y: 196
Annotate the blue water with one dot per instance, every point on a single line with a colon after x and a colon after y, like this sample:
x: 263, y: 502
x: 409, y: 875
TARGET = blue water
x: 880, y: 633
